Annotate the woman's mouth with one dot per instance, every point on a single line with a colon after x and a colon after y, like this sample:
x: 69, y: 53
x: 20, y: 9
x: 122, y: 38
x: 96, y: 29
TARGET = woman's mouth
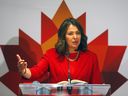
x: 75, y: 42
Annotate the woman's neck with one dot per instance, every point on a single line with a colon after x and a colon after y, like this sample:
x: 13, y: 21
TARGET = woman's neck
x: 73, y: 51
x: 74, y: 58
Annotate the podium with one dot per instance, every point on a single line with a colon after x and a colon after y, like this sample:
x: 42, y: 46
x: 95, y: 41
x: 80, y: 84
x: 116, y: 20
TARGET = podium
x: 35, y: 89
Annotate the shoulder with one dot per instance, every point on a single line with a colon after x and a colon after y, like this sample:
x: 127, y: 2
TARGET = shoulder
x: 51, y: 51
x: 88, y: 53
x: 51, y: 54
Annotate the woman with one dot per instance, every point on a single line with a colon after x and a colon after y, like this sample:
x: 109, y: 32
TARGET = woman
x: 69, y: 60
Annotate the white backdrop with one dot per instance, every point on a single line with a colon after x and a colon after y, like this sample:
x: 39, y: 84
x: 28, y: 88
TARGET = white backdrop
x: 101, y: 15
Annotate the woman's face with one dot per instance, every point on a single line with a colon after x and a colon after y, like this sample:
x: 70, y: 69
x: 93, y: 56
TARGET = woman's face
x: 73, y: 37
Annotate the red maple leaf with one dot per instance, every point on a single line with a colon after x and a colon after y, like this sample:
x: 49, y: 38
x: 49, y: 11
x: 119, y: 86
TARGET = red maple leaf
x: 29, y: 50
x: 109, y: 60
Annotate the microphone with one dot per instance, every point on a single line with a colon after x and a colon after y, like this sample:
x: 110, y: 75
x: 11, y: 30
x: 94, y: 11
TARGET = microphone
x: 69, y: 75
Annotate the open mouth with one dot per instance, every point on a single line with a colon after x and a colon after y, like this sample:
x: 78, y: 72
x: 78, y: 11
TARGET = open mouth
x: 75, y: 43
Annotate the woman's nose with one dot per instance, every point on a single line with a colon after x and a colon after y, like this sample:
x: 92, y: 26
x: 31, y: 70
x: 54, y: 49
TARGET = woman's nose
x: 74, y: 36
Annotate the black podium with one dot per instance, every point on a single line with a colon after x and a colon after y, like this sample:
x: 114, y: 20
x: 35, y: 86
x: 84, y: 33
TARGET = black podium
x: 64, y: 90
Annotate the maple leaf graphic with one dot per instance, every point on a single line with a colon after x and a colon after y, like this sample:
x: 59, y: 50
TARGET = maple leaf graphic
x: 109, y: 56
x: 30, y: 50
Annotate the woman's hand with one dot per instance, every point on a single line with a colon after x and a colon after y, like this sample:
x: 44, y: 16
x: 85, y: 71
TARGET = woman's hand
x: 22, y: 65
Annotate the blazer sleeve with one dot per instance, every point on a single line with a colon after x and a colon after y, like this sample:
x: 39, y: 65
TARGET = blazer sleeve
x: 41, y: 68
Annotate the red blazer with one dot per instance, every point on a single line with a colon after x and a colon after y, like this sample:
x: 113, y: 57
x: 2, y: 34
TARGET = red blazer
x: 84, y: 68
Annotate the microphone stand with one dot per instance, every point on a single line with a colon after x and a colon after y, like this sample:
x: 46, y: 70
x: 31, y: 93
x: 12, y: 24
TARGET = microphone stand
x: 69, y: 86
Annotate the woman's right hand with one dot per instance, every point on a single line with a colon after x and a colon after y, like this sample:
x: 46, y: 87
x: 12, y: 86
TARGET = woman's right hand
x: 22, y: 65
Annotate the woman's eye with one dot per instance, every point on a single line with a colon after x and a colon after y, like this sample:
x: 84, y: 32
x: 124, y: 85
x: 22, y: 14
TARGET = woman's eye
x: 78, y: 32
x: 70, y: 33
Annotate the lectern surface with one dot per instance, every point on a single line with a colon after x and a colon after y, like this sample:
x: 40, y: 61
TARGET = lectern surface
x: 64, y: 90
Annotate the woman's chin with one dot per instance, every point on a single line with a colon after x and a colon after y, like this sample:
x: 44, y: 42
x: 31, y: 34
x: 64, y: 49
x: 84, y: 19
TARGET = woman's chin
x: 74, y: 48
